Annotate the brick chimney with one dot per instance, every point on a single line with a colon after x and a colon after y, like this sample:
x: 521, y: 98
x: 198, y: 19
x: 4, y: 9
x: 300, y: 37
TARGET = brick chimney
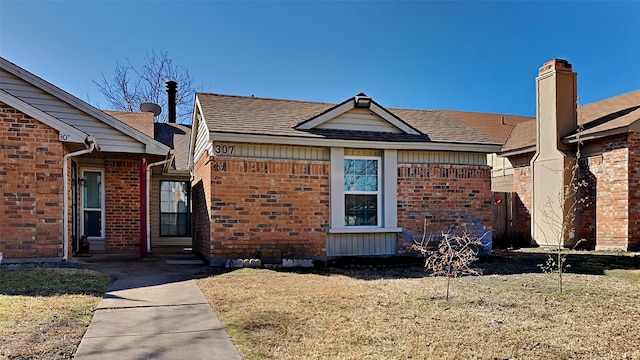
x: 556, y: 97
x: 172, y: 89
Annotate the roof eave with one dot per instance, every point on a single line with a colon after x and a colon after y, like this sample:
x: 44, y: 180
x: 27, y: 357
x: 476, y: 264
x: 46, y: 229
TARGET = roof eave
x: 151, y: 145
x: 515, y: 152
x: 579, y: 137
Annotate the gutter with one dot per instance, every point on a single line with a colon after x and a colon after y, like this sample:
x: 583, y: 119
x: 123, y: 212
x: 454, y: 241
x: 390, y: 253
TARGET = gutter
x: 65, y: 190
x: 148, y: 195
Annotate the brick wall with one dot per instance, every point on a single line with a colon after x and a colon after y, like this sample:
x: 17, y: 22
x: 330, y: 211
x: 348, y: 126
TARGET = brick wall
x: 522, y: 186
x: 612, y: 223
x: 30, y: 186
x: 590, y: 167
x: 201, y: 205
x: 451, y: 197
x: 634, y: 191
x: 280, y: 207
x: 122, y: 204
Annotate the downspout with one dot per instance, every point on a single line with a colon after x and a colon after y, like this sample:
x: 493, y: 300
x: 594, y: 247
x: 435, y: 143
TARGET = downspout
x: 65, y: 190
x: 148, y: 224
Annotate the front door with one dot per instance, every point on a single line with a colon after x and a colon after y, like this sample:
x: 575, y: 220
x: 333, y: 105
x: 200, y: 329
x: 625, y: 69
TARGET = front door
x: 92, y: 220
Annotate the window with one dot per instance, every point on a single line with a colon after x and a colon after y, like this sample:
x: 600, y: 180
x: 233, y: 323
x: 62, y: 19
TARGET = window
x: 362, y: 191
x: 174, y: 208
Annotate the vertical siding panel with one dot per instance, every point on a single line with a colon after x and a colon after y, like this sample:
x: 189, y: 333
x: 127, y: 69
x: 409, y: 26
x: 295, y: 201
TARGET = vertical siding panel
x: 354, y: 244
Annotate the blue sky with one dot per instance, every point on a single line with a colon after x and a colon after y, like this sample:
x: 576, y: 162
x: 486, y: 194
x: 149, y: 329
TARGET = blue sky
x: 472, y: 56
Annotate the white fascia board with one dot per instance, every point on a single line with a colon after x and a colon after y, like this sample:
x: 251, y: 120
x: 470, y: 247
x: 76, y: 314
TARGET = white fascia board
x: 195, y: 119
x: 388, y: 117
x: 337, y: 111
x: 151, y: 145
x: 361, y: 144
x: 531, y: 149
x: 66, y: 132
x: 597, y: 135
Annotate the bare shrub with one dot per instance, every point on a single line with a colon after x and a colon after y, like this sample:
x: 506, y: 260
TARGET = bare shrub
x: 452, y: 257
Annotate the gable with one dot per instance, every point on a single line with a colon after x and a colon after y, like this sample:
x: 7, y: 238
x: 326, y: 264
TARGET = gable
x: 358, y: 119
x: 48, y: 102
x: 369, y: 113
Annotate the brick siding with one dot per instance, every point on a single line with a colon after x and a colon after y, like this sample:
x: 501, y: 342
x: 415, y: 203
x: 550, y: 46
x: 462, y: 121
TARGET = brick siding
x: 612, y: 199
x: 634, y: 191
x: 276, y: 207
x: 609, y: 209
x: 122, y: 204
x: 452, y: 198
x: 201, y: 205
x: 522, y: 186
x: 587, y: 205
x: 30, y: 186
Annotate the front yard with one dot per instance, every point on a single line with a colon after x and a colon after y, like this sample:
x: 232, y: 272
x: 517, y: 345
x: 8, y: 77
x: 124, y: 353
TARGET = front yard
x: 362, y: 312
x: 45, y: 312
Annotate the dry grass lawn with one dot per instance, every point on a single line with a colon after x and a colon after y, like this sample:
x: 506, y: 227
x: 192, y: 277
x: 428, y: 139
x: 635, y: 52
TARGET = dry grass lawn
x: 45, y: 312
x: 400, y: 313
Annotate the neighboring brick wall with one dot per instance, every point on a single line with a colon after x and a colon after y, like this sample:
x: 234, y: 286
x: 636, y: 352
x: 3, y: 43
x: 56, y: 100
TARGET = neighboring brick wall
x: 201, y: 205
x: 634, y: 191
x: 452, y: 198
x: 30, y: 186
x: 122, y: 194
x: 612, y: 212
x: 278, y: 206
x: 587, y: 205
x: 522, y: 187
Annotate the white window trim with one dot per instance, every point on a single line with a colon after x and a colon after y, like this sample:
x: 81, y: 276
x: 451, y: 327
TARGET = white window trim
x: 102, y: 203
x: 160, y: 212
x: 378, y: 192
x: 388, y: 189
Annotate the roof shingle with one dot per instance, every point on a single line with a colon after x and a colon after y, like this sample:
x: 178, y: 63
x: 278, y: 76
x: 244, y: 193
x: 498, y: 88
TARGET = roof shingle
x: 260, y: 116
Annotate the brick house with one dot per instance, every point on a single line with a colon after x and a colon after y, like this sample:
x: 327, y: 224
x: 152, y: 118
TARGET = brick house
x: 541, y: 151
x: 69, y: 170
x: 282, y: 178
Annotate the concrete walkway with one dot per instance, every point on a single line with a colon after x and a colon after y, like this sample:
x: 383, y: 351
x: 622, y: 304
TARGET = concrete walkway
x: 153, y: 310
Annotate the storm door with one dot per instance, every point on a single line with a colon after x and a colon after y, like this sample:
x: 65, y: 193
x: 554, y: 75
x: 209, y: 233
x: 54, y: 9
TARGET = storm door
x: 92, y: 223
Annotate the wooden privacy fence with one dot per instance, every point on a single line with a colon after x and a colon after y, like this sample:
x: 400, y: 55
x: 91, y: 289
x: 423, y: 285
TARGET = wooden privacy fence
x: 504, y: 226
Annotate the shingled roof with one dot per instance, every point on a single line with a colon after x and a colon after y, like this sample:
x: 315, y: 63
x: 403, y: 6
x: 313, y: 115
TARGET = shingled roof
x: 598, y: 119
x: 617, y: 112
x: 175, y: 136
x: 263, y: 116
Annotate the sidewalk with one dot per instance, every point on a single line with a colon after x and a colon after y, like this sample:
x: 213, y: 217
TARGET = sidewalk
x: 153, y: 310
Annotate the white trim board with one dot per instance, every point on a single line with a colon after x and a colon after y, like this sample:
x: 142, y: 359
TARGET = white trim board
x: 310, y: 141
x: 66, y: 132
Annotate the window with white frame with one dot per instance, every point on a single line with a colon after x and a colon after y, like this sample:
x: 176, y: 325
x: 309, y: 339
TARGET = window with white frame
x: 362, y: 193
x: 174, y: 208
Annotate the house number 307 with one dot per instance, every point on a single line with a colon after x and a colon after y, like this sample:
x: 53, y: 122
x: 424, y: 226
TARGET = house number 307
x: 224, y: 149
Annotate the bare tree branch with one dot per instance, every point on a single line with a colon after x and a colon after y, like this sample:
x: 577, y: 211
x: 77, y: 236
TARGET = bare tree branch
x: 130, y: 86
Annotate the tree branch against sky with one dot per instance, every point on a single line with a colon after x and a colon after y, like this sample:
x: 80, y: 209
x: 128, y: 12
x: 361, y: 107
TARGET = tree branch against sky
x: 132, y: 85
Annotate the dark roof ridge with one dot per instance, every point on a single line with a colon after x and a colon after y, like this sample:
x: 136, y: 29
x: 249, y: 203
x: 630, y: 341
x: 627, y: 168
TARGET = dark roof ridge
x: 484, y: 113
x: 264, y: 98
